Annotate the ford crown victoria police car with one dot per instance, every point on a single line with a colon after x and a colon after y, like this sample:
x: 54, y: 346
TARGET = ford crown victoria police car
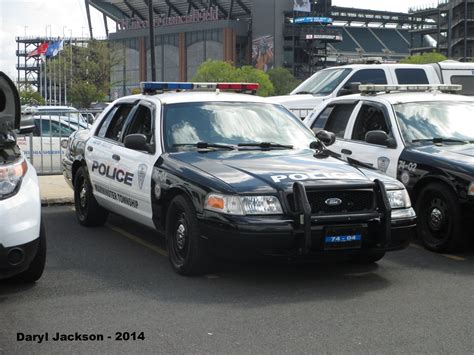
x: 424, y: 138
x: 215, y: 169
x: 22, y: 236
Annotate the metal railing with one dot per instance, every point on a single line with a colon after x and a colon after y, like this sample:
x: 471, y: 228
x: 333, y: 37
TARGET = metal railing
x: 42, y: 147
x: 301, y: 112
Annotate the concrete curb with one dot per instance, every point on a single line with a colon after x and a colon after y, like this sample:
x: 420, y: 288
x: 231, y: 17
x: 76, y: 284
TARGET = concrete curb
x: 47, y: 202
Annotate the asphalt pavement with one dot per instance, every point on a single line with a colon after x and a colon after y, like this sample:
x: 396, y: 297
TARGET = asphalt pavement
x: 117, y: 278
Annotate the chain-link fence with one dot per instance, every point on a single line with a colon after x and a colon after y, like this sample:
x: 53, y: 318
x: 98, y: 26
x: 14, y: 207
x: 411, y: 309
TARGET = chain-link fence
x: 47, y: 129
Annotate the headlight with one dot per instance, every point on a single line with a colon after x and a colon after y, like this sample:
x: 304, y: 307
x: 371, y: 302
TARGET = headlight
x: 399, y: 198
x: 243, y: 205
x: 10, y: 177
x: 470, y: 192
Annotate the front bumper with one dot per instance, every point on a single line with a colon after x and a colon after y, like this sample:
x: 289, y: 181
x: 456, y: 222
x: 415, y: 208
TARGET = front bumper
x: 304, y: 234
x: 285, y: 237
x: 67, y: 171
x: 16, y: 259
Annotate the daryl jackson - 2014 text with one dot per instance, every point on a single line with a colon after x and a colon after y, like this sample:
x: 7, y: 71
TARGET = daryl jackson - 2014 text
x: 77, y: 337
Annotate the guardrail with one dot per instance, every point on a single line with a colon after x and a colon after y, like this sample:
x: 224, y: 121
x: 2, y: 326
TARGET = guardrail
x: 43, y: 147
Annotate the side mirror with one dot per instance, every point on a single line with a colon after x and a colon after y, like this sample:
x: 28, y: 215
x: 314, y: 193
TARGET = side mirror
x: 349, y: 89
x: 136, y: 141
x: 328, y: 138
x: 380, y: 138
x: 26, y: 129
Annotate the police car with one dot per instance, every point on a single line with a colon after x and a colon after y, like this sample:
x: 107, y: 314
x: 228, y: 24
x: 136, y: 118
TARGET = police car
x: 223, y: 171
x: 422, y: 135
x: 22, y: 235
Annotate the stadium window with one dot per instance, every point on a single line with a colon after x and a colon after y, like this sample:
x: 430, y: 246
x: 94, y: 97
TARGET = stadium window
x: 411, y: 76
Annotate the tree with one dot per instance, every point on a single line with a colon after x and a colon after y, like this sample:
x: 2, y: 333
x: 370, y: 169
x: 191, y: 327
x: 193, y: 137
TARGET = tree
x: 425, y: 58
x: 30, y: 97
x: 221, y: 71
x: 83, y: 93
x: 283, y: 81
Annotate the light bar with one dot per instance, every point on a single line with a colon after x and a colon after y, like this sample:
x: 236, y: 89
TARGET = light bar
x: 153, y: 87
x: 372, y: 89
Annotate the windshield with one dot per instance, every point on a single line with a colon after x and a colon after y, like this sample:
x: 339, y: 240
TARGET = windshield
x: 323, y: 82
x: 438, y: 119
x: 232, y: 123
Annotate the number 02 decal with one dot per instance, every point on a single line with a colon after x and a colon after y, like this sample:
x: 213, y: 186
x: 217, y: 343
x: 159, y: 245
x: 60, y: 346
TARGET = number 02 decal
x: 404, y: 165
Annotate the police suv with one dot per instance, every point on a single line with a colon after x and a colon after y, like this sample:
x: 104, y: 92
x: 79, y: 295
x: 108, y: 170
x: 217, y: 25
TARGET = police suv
x: 419, y: 135
x: 220, y: 172
x: 22, y: 236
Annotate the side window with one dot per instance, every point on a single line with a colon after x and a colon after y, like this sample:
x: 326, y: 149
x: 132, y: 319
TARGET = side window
x: 113, y: 124
x: 467, y: 82
x: 334, y: 119
x: 369, y: 76
x: 411, y: 76
x: 142, y: 123
x: 60, y: 130
x: 370, y: 118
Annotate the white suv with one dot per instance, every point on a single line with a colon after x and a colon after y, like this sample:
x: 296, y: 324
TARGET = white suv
x: 22, y: 235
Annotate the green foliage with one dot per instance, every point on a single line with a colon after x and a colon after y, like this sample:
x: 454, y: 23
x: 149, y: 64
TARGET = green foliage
x: 30, y: 97
x: 83, y: 93
x: 425, y: 58
x: 283, y: 81
x: 220, y: 71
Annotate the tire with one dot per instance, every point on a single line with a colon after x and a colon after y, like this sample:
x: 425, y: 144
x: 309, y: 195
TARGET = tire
x: 368, y: 258
x: 439, y: 224
x: 88, y: 211
x: 35, y: 270
x: 188, y: 252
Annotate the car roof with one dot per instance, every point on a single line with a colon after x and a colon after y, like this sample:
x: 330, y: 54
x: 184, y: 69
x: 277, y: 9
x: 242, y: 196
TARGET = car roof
x: 405, y: 97
x: 173, y: 97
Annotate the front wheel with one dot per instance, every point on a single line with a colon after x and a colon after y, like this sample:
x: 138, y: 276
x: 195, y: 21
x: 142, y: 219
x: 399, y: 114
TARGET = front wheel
x: 439, y: 218
x: 187, y: 250
x: 88, y: 211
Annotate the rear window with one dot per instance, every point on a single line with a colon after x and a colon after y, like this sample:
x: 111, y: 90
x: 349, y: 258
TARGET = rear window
x: 467, y: 82
x: 411, y: 76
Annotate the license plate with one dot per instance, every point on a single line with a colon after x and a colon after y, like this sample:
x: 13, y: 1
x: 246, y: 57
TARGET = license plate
x: 350, y: 238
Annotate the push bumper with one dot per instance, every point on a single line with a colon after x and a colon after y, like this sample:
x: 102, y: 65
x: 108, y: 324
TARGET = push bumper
x: 305, y: 235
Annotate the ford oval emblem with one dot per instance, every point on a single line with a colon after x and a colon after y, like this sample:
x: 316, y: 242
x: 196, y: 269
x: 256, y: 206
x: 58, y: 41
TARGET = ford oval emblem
x: 333, y: 201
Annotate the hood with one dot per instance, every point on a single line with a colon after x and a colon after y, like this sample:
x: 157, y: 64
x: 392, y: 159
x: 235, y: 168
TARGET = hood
x: 451, y: 156
x: 270, y: 171
x: 306, y: 101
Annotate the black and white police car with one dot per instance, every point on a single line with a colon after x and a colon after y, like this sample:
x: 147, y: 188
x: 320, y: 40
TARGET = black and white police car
x: 423, y: 135
x: 215, y: 170
x: 22, y: 236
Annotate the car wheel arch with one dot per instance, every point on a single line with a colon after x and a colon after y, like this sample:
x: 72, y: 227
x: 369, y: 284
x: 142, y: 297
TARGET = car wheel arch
x: 169, y: 196
x: 75, y: 167
x: 431, y: 179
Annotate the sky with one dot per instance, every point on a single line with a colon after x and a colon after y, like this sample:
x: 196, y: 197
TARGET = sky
x: 58, y: 18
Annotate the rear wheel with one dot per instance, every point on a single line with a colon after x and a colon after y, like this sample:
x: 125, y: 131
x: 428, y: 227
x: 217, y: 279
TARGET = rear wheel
x: 188, y: 252
x: 88, y: 211
x: 35, y: 270
x: 439, y: 218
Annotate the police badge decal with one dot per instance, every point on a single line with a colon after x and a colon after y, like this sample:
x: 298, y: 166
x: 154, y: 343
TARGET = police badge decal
x: 142, y: 168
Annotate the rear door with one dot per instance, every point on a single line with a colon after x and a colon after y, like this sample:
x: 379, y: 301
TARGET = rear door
x: 99, y: 154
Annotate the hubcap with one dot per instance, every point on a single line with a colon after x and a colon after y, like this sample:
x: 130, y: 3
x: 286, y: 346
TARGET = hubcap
x: 436, y: 219
x: 181, y: 236
x: 83, y: 195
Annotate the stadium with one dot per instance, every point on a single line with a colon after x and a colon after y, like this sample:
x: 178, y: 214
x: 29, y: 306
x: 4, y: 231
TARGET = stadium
x: 300, y: 35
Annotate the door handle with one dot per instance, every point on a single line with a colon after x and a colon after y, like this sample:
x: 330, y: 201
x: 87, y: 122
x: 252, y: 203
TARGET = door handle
x: 116, y: 157
x: 346, y: 151
x: 90, y: 149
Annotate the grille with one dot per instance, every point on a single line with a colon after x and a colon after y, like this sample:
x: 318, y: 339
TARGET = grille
x: 353, y: 201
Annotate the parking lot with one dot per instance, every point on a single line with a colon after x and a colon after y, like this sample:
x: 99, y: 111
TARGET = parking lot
x: 117, y: 279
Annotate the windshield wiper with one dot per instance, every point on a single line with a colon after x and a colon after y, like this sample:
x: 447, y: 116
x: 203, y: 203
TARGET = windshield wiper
x: 303, y: 93
x: 265, y: 145
x: 206, y: 145
x: 440, y: 140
